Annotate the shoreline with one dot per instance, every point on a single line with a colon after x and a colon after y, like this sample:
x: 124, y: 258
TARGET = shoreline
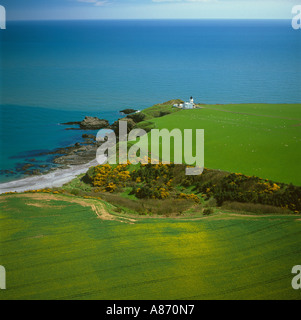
x: 56, y: 178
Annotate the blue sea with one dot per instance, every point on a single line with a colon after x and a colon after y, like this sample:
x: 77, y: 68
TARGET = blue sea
x: 61, y: 71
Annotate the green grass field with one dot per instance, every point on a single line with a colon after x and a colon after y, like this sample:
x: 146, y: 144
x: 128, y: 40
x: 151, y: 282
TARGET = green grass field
x: 57, y: 249
x: 254, y: 139
x: 63, y: 247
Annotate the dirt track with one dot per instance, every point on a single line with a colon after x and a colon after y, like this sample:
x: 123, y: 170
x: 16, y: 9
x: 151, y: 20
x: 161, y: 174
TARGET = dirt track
x: 95, y: 205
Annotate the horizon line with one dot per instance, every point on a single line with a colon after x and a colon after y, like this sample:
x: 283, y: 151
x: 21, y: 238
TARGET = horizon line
x: 142, y: 19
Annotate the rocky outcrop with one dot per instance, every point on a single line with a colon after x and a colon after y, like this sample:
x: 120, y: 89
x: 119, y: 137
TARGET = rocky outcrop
x: 128, y: 111
x: 130, y: 125
x: 137, y: 117
x: 71, y: 123
x: 93, y: 123
x: 79, y: 155
x: 89, y: 136
x: 89, y: 123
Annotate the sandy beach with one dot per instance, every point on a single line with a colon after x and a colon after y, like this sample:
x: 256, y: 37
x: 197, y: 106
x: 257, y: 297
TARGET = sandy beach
x: 56, y: 178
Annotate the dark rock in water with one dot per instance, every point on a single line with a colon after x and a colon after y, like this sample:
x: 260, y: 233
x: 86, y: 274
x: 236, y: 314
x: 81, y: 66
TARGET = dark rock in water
x: 89, y: 136
x: 88, y: 141
x: 26, y: 169
x: 80, y: 155
x: 76, y: 154
x: 60, y: 150
x: 128, y: 111
x: 89, y: 123
x: 26, y: 166
x: 36, y: 172
x: 71, y: 123
x: 93, y: 123
x: 64, y: 167
x: 6, y: 172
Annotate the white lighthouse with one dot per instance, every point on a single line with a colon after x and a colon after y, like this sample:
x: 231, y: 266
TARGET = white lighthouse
x: 186, y: 105
x: 189, y: 105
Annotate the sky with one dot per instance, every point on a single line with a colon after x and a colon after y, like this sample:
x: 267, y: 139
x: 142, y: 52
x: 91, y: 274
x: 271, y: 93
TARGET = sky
x: 148, y: 9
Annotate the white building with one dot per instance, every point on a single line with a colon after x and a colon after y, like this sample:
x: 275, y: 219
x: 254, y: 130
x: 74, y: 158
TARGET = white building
x: 186, y: 105
x: 189, y: 105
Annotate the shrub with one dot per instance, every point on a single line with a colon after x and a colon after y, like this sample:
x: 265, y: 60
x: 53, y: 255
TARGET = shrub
x: 164, y: 113
x: 192, y: 197
x: 108, y: 178
x: 211, y: 202
x: 164, y: 181
x: 137, y: 117
x: 149, y: 206
x: 75, y: 192
x: 166, y: 207
x: 254, y: 208
x: 207, y: 211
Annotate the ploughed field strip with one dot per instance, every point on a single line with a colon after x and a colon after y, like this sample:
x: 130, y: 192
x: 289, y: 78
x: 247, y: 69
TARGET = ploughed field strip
x: 57, y: 247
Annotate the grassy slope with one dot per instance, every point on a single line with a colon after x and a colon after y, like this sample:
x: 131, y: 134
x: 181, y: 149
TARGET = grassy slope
x: 155, y: 111
x: 63, y: 251
x: 254, y: 139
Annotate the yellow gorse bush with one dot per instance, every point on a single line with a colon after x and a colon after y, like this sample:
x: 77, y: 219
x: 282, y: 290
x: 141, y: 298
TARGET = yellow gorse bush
x: 108, y: 178
x: 189, y: 197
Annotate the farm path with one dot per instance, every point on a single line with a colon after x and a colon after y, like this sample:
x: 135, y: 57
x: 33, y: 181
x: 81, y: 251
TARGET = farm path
x: 95, y: 205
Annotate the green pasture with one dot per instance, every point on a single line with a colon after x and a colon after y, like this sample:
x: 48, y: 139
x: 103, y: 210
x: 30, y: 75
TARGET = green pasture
x: 254, y: 139
x: 60, y: 250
